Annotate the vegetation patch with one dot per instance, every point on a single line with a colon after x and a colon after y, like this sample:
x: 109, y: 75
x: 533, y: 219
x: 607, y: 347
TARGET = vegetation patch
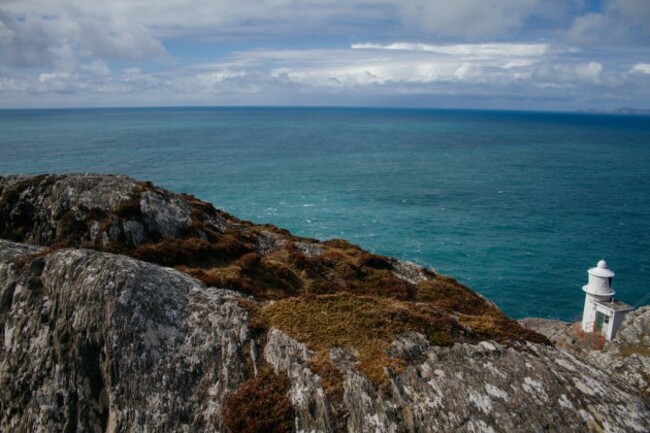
x: 191, y: 251
x: 499, y: 327
x: 368, y: 325
x: 448, y: 294
x: 260, y: 404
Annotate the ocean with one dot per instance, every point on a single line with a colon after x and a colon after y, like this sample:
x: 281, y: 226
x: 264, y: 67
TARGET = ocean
x: 516, y: 205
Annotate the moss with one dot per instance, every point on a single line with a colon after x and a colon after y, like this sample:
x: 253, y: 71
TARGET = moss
x: 628, y: 350
x: 366, y: 324
x: 129, y: 209
x: 450, y: 295
x: 341, y: 244
x: 210, y: 278
x: 260, y: 404
x: 252, y: 275
x: 498, y: 327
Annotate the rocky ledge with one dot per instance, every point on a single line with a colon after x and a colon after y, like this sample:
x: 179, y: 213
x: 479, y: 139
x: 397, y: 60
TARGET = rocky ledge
x: 124, y: 307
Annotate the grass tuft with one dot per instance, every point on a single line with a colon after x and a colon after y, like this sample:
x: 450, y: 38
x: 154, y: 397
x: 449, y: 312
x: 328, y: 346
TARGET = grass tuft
x: 260, y: 404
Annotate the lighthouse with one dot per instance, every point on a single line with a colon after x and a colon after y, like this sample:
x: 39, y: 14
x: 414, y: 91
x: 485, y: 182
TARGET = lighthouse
x: 602, y: 314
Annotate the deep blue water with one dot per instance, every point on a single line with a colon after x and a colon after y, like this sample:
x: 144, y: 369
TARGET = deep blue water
x: 517, y: 205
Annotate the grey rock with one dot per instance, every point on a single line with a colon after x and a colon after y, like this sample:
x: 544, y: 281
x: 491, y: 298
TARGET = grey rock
x: 547, y: 327
x: 164, y: 215
x: 99, y: 342
x: 267, y: 242
x: 410, y: 272
x: 309, y: 249
x: 628, y: 355
x: 486, y: 387
x: 307, y: 396
x: 626, y: 358
x: 11, y: 250
x: 96, y: 341
x: 97, y: 209
x: 44, y: 204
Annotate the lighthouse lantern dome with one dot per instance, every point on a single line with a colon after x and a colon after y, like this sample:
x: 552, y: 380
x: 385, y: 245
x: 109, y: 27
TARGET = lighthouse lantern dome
x: 601, y: 270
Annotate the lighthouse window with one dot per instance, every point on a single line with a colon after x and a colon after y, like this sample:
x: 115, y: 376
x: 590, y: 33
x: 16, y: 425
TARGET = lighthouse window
x: 610, y: 281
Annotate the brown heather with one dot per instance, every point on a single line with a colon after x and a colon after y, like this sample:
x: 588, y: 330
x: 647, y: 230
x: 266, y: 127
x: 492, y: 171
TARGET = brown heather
x: 260, y: 404
x: 364, y: 323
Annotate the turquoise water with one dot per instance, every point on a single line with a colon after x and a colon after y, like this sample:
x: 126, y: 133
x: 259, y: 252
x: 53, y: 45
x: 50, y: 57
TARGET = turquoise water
x: 516, y: 205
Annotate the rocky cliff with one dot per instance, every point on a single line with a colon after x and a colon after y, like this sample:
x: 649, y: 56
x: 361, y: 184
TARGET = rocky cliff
x: 278, y: 333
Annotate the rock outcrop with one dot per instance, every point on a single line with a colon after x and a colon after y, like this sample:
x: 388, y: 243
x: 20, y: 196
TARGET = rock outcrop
x: 100, y: 342
x: 626, y: 358
x: 97, y: 341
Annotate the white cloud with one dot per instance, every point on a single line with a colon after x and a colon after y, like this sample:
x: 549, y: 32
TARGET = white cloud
x: 641, y: 68
x: 63, y: 40
x: 283, y: 76
x: 568, y: 75
x: 107, y: 51
x: 97, y: 67
x: 482, y: 50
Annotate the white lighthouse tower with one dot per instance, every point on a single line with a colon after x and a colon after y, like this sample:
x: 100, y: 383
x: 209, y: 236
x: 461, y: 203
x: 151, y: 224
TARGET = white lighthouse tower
x: 602, y: 314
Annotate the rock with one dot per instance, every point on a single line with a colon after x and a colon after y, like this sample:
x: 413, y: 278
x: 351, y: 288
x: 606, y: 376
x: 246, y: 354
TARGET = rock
x: 268, y: 242
x: 108, y: 343
x: 96, y: 341
x: 94, y: 209
x: 307, y: 395
x: 410, y: 272
x: 626, y: 358
x: 547, y: 327
x: 309, y: 249
x: 166, y: 215
x: 628, y: 355
x: 465, y: 388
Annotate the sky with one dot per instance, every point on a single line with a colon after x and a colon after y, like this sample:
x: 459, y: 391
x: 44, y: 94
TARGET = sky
x: 560, y: 55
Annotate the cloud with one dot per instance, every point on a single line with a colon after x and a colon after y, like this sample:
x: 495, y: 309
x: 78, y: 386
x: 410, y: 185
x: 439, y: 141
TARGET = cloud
x: 619, y: 21
x: 403, y: 73
x: 636, y: 12
x: 116, y: 25
x: 122, y: 52
x: 641, y: 68
x: 468, y: 18
x: 568, y: 75
x: 480, y: 50
x: 63, y: 38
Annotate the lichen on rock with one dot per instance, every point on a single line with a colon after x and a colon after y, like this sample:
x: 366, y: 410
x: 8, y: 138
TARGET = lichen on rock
x: 100, y: 341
